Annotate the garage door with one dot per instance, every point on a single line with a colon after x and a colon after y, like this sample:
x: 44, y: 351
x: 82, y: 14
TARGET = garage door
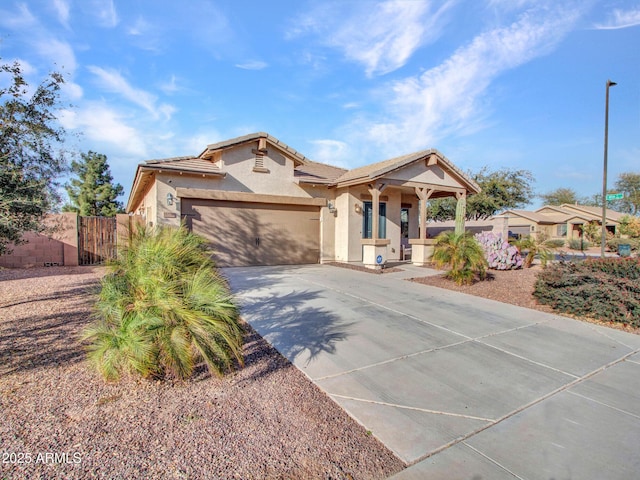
x: 256, y: 234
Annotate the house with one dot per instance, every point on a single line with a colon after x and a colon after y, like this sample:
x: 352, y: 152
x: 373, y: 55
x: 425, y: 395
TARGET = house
x: 563, y: 222
x: 260, y: 202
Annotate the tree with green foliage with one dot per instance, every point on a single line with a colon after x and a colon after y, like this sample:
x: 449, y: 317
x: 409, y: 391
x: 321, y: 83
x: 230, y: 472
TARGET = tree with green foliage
x: 501, y: 189
x: 561, y: 196
x: 164, y: 309
x: 93, y: 192
x: 629, y: 185
x: 31, y: 158
x: 462, y: 254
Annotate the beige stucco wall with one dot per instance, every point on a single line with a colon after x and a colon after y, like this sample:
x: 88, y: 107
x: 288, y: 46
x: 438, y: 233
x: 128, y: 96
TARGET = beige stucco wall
x: 148, y: 206
x: 327, y: 220
x: 348, y: 225
x: 420, y: 172
x: 238, y: 165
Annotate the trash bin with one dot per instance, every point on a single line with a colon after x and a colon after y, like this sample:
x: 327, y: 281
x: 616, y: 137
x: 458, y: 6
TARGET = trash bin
x: 624, y: 250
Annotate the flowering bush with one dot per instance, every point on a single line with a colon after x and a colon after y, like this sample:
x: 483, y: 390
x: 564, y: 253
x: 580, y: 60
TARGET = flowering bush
x: 499, y: 254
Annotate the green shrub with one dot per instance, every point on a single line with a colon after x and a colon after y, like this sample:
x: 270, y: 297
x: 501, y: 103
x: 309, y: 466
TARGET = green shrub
x: 555, y: 243
x: 579, y: 244
x: 163, y: 309
x: 612, y: 243
x: 535, y: 246
x: 462, y: 254
x: 605, y: 289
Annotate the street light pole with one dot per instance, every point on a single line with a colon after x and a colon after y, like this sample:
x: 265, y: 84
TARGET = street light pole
x: 603, y: 241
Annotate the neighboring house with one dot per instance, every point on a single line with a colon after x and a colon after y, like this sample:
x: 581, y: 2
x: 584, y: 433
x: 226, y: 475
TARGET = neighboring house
x: 260, y: 202
x: 563, y: 222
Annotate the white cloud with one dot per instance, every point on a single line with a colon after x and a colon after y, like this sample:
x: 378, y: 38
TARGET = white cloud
x: 62, y: 9
x: 252, y: 65
x: 72, y: 90
x: 449, y: 98
x: 59, y: 52
x: 381, y: 36
x: 104, y: 125
x: 621, y: 19
x: 171, y: 86
x: 19, y: 20
x: 105, y: 11
x: 139, y: 28
x: 333, y: 152
x: 113, y: 81
x: 195, y: 144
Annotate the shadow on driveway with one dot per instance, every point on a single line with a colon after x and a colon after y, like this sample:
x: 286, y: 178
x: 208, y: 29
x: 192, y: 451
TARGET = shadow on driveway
x: 292, y: 326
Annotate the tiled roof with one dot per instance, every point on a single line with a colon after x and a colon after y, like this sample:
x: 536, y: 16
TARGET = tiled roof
x: 594, y: 211
x: 381, y: 168
x: 255, y: 136
x: 314, y: 172
x: 190, y: 164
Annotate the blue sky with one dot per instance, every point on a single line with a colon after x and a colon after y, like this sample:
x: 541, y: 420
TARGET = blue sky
x: 497, y: 83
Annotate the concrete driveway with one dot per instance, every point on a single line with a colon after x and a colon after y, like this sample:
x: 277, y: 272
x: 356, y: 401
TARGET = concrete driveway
x: 457, y: 386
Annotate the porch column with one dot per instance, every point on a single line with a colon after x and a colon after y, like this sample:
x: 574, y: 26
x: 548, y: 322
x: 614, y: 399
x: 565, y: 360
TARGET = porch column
x: 461, y: 212
x: 374, y: 249
x: 423, y: 194
x: 375, y: 215
x: 422, y: 247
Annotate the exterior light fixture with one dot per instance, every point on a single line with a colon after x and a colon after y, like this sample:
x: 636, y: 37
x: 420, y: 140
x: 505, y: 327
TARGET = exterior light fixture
x: 169, y: 199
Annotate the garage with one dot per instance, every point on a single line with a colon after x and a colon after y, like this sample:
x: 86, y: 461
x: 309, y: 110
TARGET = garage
x: 242, y: 233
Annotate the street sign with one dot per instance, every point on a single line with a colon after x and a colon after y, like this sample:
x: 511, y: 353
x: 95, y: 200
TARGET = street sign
x: 615, y: 196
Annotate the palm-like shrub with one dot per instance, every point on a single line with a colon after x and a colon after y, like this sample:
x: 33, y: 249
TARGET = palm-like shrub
x: 462, y: 254
x: 539, y: 245
x: 163, y: 309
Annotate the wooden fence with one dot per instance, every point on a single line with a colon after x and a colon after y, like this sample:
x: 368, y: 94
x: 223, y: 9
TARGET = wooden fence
x: 97, y: 238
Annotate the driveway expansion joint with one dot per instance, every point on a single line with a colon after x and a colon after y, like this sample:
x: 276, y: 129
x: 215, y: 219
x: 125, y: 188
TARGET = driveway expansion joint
x: 495, y: 462
x: 408, y: 407
x: 603, y: 404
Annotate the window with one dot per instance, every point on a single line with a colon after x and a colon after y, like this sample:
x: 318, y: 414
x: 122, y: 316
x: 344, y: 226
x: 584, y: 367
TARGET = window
x: 561, y: 230
x: 404, y: 223
x: 367, y: 220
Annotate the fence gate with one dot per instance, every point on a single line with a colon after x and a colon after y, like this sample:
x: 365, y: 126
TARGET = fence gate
x: 96, y: 240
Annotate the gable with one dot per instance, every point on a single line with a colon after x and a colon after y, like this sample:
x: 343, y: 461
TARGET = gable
x: 419, y: 172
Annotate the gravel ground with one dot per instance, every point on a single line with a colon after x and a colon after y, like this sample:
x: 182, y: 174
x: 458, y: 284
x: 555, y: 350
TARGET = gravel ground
x: 514, y: 287
x: 62, y: 421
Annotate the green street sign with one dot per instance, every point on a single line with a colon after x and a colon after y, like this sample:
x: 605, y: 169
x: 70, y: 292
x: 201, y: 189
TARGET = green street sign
x: 615, y: 196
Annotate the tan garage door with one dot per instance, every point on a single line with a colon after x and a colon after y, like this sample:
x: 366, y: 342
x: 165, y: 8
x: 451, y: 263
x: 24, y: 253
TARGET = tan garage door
x: 256, y: 234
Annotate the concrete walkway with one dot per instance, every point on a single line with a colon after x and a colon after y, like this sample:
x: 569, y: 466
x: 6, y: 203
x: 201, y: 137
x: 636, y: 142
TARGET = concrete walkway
x: 457, y: 386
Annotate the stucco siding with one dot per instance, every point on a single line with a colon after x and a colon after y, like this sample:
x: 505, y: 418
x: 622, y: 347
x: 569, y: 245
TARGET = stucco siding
x: 419, y: 172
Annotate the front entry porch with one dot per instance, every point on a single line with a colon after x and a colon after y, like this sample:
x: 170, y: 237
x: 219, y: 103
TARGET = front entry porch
x: 382, y: 208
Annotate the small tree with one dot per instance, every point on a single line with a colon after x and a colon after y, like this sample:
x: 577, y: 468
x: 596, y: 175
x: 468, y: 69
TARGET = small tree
x: 592, y: 231
x: 30, y: 160
x: 501, y: 189
x: 93, y: 192
x: 560, y: 196
x: 462, y: 254
x: 629, y: 184
x: 630, y: 225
